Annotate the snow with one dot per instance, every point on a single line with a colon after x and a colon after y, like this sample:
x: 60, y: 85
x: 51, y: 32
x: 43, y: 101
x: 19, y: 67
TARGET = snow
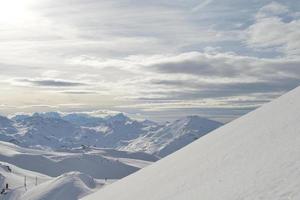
x: 98, y: 163
x: 15, y: 179
x: 54, y: 131
x: 172, y: 136
x: 76, y: 154
x: 66, y: 174
x: 83, y: 119
x: 68, y: 186
x: 254, y: 157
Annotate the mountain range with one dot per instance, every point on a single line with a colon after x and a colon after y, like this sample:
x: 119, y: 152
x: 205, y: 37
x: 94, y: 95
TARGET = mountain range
x: 55, y: 131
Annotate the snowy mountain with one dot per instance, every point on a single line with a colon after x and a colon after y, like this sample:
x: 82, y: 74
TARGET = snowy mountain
x: 57, y: 131
x: 253, y: 157
x: 7, y: 126
x: 83, y: 120
x: 173, y: 136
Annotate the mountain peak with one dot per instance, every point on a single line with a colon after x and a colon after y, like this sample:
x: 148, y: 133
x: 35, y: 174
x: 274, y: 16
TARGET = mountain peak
x: 120, y: 117
x: 54, y: 115
x: 4, y: 121
x: 196, y: 122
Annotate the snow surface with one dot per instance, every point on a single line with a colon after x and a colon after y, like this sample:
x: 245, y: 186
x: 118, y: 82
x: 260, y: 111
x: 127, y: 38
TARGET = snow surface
x: 74, y: 155
x: 55, y: 131
x: 98, y: 163
x: 67, y: 174
x: 172, y: 136
x: 254, y: 157
x: 15, y: 179
x: 69, y: 186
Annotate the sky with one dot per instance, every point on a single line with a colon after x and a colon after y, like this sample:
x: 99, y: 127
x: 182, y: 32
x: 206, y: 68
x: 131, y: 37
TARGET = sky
x: 153, y: 59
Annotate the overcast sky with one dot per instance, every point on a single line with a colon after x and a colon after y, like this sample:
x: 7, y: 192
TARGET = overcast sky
x: 158, y: 59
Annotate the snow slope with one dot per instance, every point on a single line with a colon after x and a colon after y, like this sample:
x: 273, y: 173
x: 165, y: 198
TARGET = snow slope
x: 67, y: 174
x: 172, y: 136
x: 254, y: 157
x: 98, y: 163
x: 69, y: 186
x: 15, y: 179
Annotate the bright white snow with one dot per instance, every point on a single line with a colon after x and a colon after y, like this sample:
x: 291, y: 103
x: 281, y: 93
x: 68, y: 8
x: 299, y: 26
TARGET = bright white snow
x: 55, y: 131
x: 255, y: 157
x: 172, y: 136
x: 60, y: 156
x: 67, y: 175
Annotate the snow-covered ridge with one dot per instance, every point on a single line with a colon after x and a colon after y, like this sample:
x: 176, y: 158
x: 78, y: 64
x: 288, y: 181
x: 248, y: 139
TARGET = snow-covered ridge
x: 98, y: 163
x: 68, y: 186
x: 67, y: 174
x: 173, y: 136
x: 56, y: 131
x: 253, y: 157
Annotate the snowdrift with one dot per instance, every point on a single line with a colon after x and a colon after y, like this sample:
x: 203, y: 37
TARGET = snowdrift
x: 69, y: 186
x: 255, y: 157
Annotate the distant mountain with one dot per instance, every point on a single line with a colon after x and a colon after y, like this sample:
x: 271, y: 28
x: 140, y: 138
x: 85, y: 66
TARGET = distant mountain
x: 172, y: 136
x: 117, y: 118
x: 7, y: 126
x: 83, y: 119
x: 48, y: 115
x: 55, y: 131
x: 44, y: 131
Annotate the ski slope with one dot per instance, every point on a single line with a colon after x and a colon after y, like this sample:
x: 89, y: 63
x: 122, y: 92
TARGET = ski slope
x: 56, y: 163
x: 15, y: 180
x: 67, y: 174
x: 254, y: 157
x: 69, y: 186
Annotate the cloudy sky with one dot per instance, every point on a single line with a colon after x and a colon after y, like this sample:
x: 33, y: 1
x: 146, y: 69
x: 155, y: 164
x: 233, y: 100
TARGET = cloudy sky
x: 158, y: 59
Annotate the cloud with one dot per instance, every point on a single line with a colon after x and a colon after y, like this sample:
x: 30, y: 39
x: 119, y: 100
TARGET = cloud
x: 272, y: 9
x: 101, y: 113
x: 79, y: 92
x: 50, y: 83
x: 223, y: 65
x: 198, y: 75
x: 202, y: 5
x: 198, y: 63
x: 275, y: 28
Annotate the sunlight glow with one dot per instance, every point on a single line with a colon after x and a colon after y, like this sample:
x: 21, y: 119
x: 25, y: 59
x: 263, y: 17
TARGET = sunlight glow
x: 13, y: 11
